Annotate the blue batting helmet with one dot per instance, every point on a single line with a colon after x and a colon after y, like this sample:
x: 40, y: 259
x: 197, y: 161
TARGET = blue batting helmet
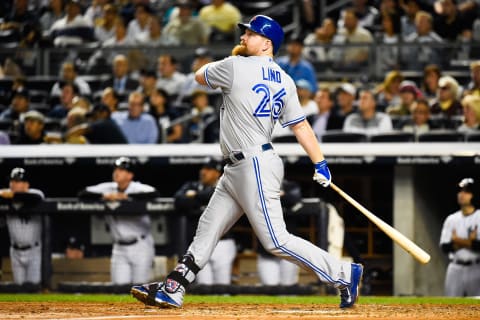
x: 266, y: 27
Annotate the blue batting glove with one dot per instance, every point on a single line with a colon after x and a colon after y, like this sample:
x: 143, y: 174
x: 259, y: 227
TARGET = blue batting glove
x: 322, y: 173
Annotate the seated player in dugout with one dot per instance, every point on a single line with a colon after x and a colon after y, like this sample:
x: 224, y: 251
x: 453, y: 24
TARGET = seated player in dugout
x: 133, y: 247
x: 191, y: 199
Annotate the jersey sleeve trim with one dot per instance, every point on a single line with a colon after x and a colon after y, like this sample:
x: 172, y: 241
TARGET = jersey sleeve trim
x: 289, y: 123
x: 205, y: 75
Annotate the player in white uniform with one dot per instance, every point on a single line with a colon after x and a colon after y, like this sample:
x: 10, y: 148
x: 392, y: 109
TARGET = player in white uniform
x: 460, y: 239
x: 25, y: 229
x: 256, y: 94
x: 133, y: 247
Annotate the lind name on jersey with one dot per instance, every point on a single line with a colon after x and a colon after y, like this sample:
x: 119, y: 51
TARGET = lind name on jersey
x: 271, y: 75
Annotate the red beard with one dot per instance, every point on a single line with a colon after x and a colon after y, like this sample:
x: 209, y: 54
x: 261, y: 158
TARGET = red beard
x: 240, y: 50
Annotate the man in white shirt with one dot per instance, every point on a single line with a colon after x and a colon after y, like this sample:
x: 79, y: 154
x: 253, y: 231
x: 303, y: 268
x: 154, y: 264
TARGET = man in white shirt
x: 367, y: 120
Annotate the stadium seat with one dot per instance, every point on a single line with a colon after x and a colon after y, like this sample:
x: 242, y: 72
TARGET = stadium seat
x: 340, y: 136
x: 441, y: 136
x: 395, y: 136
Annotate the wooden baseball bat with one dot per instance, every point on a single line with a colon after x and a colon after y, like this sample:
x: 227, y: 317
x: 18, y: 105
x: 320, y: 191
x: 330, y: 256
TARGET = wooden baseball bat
x: 407, y: 244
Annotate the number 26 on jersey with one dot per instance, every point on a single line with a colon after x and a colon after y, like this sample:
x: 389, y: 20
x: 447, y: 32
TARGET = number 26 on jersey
x: 269, y: 105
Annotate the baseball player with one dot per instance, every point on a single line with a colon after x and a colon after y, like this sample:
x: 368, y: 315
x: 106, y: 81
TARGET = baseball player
x: 25, y: 229
x: 133, y: 247
x: 257, y: 94
x: 192, y: 198
x: 460, y: 240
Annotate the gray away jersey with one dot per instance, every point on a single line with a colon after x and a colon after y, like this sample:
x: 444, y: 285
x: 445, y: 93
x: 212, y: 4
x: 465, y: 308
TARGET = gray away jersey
x: 256, y: 93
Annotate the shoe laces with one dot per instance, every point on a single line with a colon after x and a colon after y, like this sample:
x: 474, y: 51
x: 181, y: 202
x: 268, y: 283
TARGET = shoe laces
x: 345, y: 294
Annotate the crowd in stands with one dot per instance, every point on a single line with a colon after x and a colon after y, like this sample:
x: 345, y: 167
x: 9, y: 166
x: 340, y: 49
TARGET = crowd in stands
x: 156, y: 99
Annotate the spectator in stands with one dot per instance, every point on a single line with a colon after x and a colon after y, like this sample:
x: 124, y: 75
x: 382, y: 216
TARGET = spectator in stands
x: 447, y: 105
x: 73, y: 29
x: 367, y: 120
x: 120, y: 80
x: 409, y: 93
x: 468, y: 9
x: 164, y: 114
x: 203, y: 127
x: 346, y: 94
x: 69, y: 73
x: 411, y: 8
x: 222, y: 18
x: 6, y: 94
x: 32, y: 131
x: 429, y: 86
x: 136, y: 125
x: 75, y: 117
x: 388, y: 57
x: 19, y: 105
x: 169, y: 79
x: 295, y: 65
x: 304, y: 93
x: 325, y: 119
x: 53, y: 13
x: 421, y: 53
x: 451, y: 24
x: 25, y: 229
x: 185, y: 28
x: 139, y: 27
x: 19, y: 17
x: 105, y: 28
x: 148, y: 83
x: 69, y: 91
x: 120, y: 38
x: 110, y: 98
x: 4, y: 138
x: 365, y: 13
x: 388, y: 92
x: 133, y: 246
x: 317, y: 42
x: 471, y: 114
x: 95, y: 12
x: 111, y: 47
x: 156, y: 37
x: 352, y: 32
x: 420, y: 121
x: 474, y: 86
x: 100, y: 128
x: 202, y: 56
x: 191, y: 199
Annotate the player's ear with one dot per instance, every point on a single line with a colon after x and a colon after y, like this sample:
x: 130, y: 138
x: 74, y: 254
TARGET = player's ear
x: 268, y: 45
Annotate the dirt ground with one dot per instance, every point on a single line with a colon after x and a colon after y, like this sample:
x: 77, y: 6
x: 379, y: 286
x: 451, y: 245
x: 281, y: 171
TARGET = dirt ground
x: 136, y: 311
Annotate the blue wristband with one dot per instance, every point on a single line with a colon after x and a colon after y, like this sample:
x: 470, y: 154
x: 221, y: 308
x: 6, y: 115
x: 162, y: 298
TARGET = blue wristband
x: 319, y: 166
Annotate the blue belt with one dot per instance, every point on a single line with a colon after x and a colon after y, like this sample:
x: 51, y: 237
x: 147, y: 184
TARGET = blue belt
x: 238, y: 155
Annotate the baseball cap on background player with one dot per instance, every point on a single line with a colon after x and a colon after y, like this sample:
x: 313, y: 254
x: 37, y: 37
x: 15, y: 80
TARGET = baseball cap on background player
x: 266, y: 27
x: 125, y: 164
x: 468, y: 185
x: 214, y: 164
x: 18, y: 174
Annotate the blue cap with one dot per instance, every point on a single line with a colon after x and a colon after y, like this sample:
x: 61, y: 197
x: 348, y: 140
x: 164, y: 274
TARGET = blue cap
x: 266, y: 27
